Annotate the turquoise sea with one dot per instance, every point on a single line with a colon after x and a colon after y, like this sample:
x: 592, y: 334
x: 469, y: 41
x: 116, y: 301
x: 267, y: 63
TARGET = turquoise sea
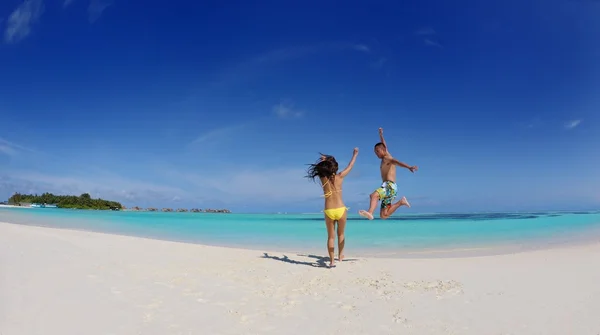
x: 402, y: 235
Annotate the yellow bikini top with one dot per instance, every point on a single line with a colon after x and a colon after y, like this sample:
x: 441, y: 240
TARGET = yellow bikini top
x: 330, y: 192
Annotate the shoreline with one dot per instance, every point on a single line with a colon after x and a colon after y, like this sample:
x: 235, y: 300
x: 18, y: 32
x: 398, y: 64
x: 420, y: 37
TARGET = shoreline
x: 483, y: 249
x: 61, y: 281
x: 13, y: 206
x: 356, y: 215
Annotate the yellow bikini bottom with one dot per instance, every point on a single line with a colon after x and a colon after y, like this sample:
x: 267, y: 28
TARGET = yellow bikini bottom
x: 335, y: 213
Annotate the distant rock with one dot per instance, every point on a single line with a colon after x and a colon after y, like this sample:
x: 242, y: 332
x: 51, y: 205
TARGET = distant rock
x: 180, y: 210
x: 210, y: 210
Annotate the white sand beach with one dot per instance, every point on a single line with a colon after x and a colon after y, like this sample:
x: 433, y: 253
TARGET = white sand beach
x: 55, y: 281
x: 13, y: 206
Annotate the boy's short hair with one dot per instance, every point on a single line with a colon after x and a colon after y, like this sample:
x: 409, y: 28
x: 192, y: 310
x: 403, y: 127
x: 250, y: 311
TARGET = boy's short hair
x: 379, y: 144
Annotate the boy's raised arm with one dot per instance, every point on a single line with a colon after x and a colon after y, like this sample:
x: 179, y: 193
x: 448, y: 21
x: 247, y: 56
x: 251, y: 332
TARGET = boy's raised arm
x: 350, y: 165
x: 381, y: 139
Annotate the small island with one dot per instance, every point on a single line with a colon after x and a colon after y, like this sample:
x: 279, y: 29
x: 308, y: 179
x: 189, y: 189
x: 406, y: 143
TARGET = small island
x: 83, y: 201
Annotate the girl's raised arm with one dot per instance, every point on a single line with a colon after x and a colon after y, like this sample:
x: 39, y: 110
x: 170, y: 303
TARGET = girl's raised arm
x: 350, y: 165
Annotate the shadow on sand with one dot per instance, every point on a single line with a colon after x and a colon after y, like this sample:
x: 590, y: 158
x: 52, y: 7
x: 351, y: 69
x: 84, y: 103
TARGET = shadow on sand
x: 320, y: 261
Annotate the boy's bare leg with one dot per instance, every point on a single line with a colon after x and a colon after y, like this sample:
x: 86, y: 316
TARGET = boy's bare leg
x: 330, y: 238
x: 388, y: 211
x: 341, y: 227
x: 374, y: 200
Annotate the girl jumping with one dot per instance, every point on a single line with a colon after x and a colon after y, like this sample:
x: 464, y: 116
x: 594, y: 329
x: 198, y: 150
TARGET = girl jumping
x: 335, y: 210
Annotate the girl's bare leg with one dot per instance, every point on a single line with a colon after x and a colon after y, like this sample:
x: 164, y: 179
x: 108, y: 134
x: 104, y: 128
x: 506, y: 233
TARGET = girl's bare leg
x: 341, y: 238
x: 330, y: 238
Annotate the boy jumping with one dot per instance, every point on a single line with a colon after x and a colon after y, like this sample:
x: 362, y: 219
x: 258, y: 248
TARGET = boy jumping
x: 387, y: 192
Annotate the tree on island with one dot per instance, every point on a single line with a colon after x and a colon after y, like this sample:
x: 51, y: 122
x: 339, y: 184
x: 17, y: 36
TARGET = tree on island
x: 83, y: 201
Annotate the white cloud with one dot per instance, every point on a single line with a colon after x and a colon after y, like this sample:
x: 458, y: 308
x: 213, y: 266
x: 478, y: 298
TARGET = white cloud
x: 284, y: 54
x: 534, y: 123
x: 110, y: 186
x: 293, y: 52
x: 22, y: 19
x: 254, y: 186
x: 280, y: 186
x: 7, y: 150
x: 169, y: 185
x: 253, y: 66
x: 286, y: 110
x: 361, y: 47
x: 96, y: 8
x: 432, y: 43
x: 425, y: 31
x: 572, y: 124
x: 267, y: 185
x: 11, y: 149
x: 428, y: 35
x: 219, y: 134
x: 379, y: 63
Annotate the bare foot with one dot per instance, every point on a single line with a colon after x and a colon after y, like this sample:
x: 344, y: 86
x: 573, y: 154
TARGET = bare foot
x: 365, y: 214
x: 331, y: 265
x: 341, y: 257
x: 404, y: 202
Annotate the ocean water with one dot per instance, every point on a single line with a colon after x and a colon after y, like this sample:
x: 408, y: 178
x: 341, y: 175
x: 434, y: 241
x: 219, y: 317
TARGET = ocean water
x: 401, y: 235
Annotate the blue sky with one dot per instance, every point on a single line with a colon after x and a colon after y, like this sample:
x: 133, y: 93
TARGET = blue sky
x: 200, y: 104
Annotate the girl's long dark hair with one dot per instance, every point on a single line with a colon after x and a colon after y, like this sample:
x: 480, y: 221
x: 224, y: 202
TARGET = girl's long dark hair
x: 324, y: 168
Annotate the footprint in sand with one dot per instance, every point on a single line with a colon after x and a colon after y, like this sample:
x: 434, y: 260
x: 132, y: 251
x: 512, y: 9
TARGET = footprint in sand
x: 385, y: 294
x: 164, y: 284
x: 346, y: 307
x: 192, y: 293
x: 441, y: 287
x: 288, y: 304
x: 94, y: 278
x: 243, y: 318
x: 398, y: 318
x: 155, y: 304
